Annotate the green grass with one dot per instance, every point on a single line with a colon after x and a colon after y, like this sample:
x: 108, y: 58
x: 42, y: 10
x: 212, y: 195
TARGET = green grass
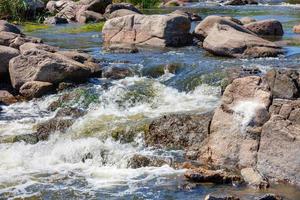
x: 31, y: 27
x: 145, y: 4
x: 13, y: 9
x: 95, y: 27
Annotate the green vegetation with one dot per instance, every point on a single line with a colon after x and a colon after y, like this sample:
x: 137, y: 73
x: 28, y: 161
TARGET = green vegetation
x: 31, y: 27
x: 141, y: 3
x: 13, y: 9
x: 19, y: 10
x: 96, y: 27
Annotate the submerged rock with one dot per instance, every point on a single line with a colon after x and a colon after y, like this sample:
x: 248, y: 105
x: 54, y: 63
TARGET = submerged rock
x: 64, y: 119
x: 269, y: 27
x: 27, y: 138
x: 179, y: 131
x: 202, y: 175
x: 224, y: 40
x: 148, y: 30
x: 114, y: 72
x: 138, y: 161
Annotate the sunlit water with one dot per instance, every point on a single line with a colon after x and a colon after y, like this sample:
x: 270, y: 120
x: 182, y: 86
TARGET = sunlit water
x: 54, y: 169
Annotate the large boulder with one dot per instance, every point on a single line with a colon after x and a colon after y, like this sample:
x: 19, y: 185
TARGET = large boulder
x: 149, y: 30
x: 266, y: 27
x: 179, y: 131
x: 203, y: 29
x: 278, y: 155
x: 233, y: 141
x: 36, y: 89
x: 223, y: 40
x: 6, y: 53
x: 7, y: 27
x: 45, y: 66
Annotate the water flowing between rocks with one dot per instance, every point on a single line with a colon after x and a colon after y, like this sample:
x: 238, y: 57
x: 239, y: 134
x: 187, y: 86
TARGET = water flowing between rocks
x: 87, y: 162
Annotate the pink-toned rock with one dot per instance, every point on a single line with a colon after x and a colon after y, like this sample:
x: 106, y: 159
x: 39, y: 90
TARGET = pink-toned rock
x: 234, y: 132
x: 296, y: 28
x: 148, y: 30
x: 223, y: 40
x: 270, y: 27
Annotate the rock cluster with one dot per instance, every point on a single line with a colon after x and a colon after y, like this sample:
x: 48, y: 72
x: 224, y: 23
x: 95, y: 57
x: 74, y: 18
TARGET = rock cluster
x: 224, y: 36
x: 85, y: 11
x: 34, y: 68
x: 255, y: 130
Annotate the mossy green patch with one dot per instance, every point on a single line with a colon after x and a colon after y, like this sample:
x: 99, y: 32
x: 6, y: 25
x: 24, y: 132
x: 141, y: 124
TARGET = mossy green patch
x: 31, y: 27
x: 95, y: 27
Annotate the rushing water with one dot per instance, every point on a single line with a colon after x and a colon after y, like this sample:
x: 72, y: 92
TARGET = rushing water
x: 53, y: 169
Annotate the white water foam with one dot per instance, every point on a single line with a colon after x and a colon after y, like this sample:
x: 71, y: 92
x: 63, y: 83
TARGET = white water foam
x: 60, y: 158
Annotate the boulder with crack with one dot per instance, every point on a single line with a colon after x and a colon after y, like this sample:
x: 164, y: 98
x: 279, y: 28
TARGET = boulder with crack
x: 148, y: 30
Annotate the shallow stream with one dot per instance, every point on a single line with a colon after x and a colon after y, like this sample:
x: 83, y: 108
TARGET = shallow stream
x: 54, y: 169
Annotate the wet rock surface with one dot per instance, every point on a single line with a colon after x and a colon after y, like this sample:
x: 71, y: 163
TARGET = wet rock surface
x: 64, y: 119
x: 179, y: 131
x: 202, y: 175
x: 138, y: 161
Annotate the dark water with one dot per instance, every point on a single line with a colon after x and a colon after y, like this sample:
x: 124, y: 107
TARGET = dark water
x: 53, y: 169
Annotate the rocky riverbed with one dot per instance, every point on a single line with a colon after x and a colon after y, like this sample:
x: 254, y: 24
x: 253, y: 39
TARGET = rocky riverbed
x: 200, y: 102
